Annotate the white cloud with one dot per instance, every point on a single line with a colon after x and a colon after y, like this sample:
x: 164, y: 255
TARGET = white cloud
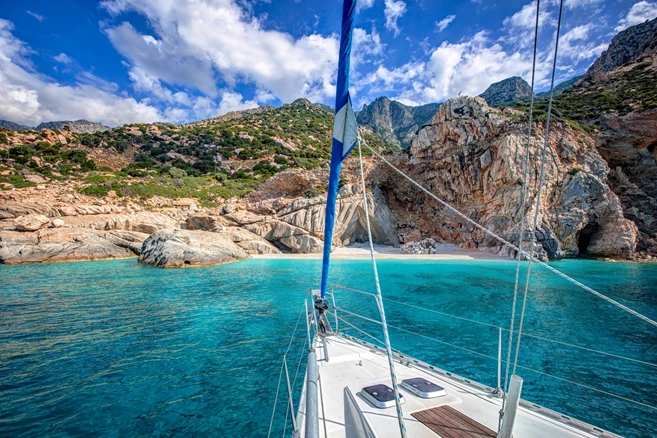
x: 394, y: 9
x: 470, y: 65
x: 63, y: 58
x: 467, y: 67
x: 525, y: 18
x: 364, y: 4
x: 638, y: 13
x: 572, y: 4
x: 442, y: 24
x: 367, y: 47
x: 37, y: 16
x: 30, y: 98
x: 165, y: 58
x: 575, y: 45
x: 235, y: 102
x: 199, y: 41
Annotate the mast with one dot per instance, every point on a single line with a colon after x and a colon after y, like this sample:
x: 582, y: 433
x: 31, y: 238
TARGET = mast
x: 345, y: 132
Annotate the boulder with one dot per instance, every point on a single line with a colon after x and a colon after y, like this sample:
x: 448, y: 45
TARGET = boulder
x: 31, y: 222
x: 10, y: 210
x: 58, y: 245
x: 36, y: 179
x: 173, y: 248
x: 251, y: 243
x: 58, y: 223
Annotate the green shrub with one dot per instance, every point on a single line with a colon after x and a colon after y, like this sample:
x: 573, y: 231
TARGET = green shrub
x: 177, y: 173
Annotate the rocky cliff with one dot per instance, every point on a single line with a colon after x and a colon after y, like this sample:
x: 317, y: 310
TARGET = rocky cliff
x: 471, y: 156
x: 628, y: 45
x: 395, y: 122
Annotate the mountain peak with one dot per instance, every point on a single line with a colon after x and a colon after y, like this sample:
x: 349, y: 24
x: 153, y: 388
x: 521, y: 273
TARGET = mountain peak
x: 628, y: 45
x: 507, y: 92
x: 395, y: 122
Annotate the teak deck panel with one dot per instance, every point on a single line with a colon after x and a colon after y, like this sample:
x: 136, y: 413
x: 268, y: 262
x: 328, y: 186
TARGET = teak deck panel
x: 450, y: 423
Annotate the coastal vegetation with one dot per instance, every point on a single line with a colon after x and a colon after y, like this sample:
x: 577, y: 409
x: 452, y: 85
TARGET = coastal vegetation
x: 217, y: 158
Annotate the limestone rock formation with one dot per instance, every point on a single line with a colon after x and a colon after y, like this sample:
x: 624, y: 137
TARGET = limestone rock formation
x: 66, y: 244
x: 472, y: 157
x: 297, y: 224
x: 172, y: 248
x: 250, y: 242
x: 31, y: 222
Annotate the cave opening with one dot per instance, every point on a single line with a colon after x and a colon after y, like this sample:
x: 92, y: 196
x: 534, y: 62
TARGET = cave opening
x: 584, y: 237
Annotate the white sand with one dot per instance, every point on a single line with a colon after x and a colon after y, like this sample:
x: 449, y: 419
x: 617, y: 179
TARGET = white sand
x: 362, y: 250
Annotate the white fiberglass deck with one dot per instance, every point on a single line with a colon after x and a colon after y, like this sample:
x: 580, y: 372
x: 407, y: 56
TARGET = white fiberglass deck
x: 346, y: 366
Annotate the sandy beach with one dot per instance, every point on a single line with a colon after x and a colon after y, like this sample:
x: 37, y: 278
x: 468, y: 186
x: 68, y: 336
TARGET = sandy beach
x: 361, y: 250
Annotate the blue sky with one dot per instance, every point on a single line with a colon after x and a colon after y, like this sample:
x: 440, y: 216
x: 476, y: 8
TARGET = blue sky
x: 123, y: 61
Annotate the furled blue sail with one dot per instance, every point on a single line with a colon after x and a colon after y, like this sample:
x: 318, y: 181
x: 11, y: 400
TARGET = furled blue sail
x: 345, y: 132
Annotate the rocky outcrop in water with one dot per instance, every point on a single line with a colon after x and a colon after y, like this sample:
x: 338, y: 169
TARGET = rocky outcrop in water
x: 67, y: 244
x: 185, y: 248
x: 472, y: 157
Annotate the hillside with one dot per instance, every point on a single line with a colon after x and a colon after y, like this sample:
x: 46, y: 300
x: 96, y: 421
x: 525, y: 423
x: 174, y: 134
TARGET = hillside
x: 395, y: 122
x: 216, y: 158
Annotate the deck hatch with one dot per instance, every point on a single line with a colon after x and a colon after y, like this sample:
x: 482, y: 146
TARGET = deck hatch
x: 423, y: 388
x: 380, y: 396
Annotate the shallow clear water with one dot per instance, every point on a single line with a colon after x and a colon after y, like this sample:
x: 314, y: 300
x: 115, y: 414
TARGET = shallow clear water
x: 119, y: 349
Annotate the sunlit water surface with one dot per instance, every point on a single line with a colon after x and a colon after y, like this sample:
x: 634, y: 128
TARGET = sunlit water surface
x: 119, y: 349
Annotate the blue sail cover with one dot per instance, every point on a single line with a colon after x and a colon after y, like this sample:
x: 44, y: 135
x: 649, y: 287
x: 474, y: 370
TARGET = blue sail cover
x: 345, y: 132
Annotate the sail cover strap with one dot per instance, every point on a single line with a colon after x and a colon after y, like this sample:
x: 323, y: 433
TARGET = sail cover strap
x: 345, y: 133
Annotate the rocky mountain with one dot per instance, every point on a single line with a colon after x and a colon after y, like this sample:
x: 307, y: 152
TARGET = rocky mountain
x: 516, y: 90
x: 80, y: 126
x: 471, y: 156
x: 560, y: 88
x: 6, y: 124
x: 507, y: 92
x: 627, y: 46
x: 395, y: 122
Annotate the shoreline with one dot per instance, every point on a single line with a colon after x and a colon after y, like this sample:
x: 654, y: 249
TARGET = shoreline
x: 362, y: 251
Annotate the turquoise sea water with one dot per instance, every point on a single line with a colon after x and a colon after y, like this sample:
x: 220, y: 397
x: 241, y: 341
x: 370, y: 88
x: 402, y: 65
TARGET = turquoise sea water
x: 119, y: 349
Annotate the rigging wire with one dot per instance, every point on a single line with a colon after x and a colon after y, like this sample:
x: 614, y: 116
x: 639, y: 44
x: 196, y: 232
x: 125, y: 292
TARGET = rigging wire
x: 474, y: 321
x: 280, y: 375
x: 540, y: 184
x: 602, y: 391
x: 511, y: 245
x: 522, y: 217
x: 379, y: 300
x: 303, y: 350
